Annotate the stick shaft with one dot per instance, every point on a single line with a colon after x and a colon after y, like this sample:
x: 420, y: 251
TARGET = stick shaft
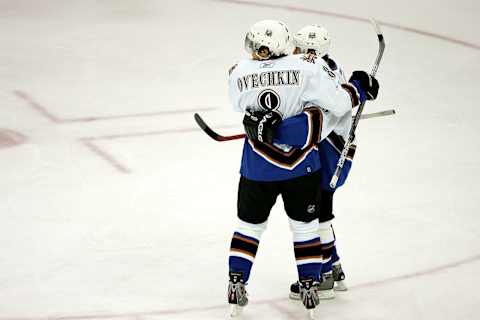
x: 351, y: 136
x: 384, y: 113
x: 220, y: 138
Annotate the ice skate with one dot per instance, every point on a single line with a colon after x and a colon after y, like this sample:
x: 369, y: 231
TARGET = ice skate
x: 295, y: 291
x: 324, y: 289
x: 309, y: 296
x: 339, y: 278
x: 237, y: 294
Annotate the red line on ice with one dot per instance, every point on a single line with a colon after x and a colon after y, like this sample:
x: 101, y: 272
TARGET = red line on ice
x: 104, y: 155
x: 42, y: 110
x: 283, y: 310
x: 159, y: 132
x: 419, y: 273
x: 89, y: 142
x: 354, y: 18
x: 136, y: 115
x: 37, y: 107
x: 10, y: 138
x: 271, y: 302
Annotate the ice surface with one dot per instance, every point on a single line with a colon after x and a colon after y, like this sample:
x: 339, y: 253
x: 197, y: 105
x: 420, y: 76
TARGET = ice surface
x: 117, y: 206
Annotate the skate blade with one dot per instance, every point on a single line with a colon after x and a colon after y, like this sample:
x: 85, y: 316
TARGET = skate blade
x: 326, y: 294
x: 235, y: 310
x: 340, y: 286
x: 294, y: 296
x: 313, y: 314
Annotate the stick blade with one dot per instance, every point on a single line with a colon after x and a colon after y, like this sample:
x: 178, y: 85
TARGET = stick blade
x: 379, y: 32
x: 376, y: 26
x: 212, y: 134
x: 200, y: 121
x: 206, y: 128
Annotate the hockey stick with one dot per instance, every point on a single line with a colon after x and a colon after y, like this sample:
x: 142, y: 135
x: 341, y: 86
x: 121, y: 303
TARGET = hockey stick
x: 384, y: 113
x: 218, y: 137
x: 215, y: 136
x: 351, y: 135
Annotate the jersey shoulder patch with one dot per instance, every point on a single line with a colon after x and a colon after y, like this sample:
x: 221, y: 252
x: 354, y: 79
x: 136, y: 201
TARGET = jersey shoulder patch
x: 309, y: 57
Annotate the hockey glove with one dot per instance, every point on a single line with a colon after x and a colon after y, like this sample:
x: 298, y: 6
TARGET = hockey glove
x: 261, y: 125
x: 367, y: 86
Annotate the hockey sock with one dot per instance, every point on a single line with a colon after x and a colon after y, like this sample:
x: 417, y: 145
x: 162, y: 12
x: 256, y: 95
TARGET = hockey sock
x: 327, y: 239
x: 335, y: 257
x: 243, y: 247
x: 308, y: 249
x: 309, y: 258
x: 242, y: 254
x: 327, y: 250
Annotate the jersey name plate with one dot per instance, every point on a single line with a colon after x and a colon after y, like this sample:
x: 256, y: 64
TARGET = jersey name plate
x: 269, y: 78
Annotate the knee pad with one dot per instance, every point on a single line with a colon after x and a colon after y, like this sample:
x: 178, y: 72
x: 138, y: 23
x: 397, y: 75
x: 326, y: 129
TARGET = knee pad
x: 303, y: 231
x: 251, y: 229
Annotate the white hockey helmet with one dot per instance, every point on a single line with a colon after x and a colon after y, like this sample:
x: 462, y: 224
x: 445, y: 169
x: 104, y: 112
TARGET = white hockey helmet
x: 313, y: 37
x: 271, y: 34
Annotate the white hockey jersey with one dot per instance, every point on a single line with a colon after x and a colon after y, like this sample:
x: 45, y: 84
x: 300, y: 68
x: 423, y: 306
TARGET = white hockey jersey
x: 288, y: 85
x: 331, y: 122
x: 293, y: 85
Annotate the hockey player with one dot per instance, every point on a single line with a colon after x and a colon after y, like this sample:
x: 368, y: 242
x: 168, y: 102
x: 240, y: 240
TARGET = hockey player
x: 269, y: 87
x: 314, y: 39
